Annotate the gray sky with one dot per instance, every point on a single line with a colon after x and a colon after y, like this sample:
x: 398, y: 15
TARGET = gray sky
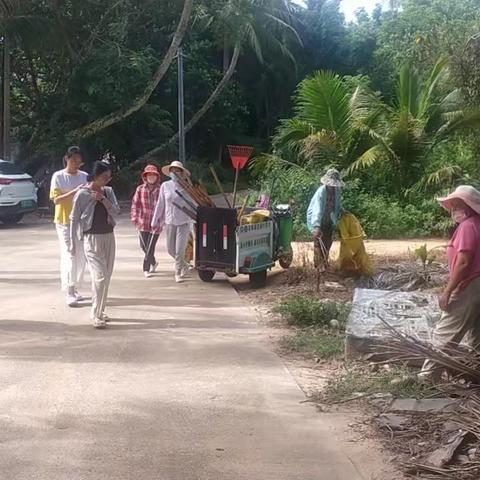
x: 349, y: 6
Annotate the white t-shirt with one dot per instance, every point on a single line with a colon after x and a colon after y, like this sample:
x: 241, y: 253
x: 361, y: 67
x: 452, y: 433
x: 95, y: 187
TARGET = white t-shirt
x: 63, y: 182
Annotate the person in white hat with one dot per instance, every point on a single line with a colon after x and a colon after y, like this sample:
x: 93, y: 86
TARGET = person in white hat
x: 178, y: 224
x: 323, y: 214
x: 460, y: 300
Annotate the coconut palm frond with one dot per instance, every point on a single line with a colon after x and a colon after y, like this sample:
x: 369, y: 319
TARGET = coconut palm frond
x: 323, y: 100
x: 443, y: 177
x: 290, y: 134
x: 426, y: 97
x: 319, y: 145
x: 369, y: 158
x: 276, y: 164
x: 459, y: 120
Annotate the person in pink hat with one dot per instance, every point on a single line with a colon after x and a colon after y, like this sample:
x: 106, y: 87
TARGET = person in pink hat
x: 460, y: 300
x: 143, y: 206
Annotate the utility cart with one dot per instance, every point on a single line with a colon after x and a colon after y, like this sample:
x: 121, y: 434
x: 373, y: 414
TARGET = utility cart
x: 223, y: 245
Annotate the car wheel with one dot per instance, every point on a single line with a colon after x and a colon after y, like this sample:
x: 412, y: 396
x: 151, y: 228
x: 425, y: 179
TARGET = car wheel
x: 11, y: 219
x: 258, y: 279
x: 286, y: 261
x: 206, y: 275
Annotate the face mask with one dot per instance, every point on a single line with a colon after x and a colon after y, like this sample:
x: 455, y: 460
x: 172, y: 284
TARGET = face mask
x: 152, y: 179
x: 459, y: 215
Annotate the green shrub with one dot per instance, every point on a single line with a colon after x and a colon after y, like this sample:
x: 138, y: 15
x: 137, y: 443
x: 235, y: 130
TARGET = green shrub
x: 304, y: 311
x: 399, y: 381
x: 319, y: 343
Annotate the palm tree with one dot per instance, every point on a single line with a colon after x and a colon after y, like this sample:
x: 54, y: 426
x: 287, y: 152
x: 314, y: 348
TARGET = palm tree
x: 414, y: 123
x: 242, y: 25
x: 330, y: 126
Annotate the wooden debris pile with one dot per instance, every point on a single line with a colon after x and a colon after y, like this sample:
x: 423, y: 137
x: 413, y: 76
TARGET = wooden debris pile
x: 445, y: 443
x: 197, y: 197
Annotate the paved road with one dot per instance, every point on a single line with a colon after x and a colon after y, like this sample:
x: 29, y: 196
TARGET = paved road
x: 180, y: 387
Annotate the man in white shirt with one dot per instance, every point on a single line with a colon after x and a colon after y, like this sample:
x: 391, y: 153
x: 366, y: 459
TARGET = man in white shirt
x: 65, y: 184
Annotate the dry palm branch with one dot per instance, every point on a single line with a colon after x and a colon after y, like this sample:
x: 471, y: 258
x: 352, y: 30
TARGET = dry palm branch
x: 458, y: 360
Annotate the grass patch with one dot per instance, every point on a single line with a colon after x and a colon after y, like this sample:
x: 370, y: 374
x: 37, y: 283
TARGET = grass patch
x: 303, y: 311
x: 318, y: 343
x: 400, y: 381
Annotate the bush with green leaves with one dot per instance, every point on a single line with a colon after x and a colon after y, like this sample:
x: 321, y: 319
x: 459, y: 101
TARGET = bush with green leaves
x: 303, y: 311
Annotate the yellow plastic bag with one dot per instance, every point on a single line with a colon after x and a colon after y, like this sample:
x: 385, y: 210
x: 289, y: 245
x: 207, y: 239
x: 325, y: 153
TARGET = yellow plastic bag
x: 189, y: 249
x: 353, y: 256
x: 258, y: 216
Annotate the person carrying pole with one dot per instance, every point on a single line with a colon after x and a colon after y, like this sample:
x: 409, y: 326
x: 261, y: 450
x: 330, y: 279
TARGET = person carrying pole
x: 64, y: 186
x: 324, y: 213
x: 170, y: 211
x: 143, y: 206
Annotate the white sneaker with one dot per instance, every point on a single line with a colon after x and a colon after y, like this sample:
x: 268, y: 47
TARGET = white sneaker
x: 185, y: 272
x: 153, y: 268
x: 99, y: 323
x: 79, y: 297
x: 178, y: 278
x: 105, y: 318
x: 72, y: 301
x: 147, y: 274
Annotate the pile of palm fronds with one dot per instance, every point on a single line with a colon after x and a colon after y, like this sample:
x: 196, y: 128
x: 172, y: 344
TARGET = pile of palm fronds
x: 463, y: 367
x: 408, y: 276
x: 459, y: 361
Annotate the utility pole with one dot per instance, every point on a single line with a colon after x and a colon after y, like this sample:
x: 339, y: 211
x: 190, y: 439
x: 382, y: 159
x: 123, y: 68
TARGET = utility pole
x: 181, y: 108
x: 6, y: 97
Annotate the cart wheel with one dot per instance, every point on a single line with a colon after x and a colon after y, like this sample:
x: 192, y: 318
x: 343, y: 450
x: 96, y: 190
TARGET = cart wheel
x: 206, y: 275
x: 258, y: 279
x: 286, y: 260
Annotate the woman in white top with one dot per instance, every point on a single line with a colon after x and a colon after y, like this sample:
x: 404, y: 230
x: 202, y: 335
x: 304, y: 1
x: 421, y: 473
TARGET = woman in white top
x: 178, y: 224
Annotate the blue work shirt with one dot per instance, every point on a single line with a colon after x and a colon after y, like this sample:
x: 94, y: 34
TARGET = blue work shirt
x: 318, y: 203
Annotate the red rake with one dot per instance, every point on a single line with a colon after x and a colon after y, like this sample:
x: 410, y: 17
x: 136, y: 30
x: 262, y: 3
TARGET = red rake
x: 239, y: 154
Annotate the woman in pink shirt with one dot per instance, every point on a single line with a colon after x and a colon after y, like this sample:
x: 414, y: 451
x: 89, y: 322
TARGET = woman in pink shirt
x: 460, y: 300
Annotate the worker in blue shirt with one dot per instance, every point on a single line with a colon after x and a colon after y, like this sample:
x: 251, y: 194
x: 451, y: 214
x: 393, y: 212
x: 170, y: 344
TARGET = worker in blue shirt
x: 323, y: 214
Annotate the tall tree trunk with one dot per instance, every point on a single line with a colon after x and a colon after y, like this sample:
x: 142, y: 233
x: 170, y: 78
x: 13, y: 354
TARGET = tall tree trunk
x: 6, y: 97
x: 203, y: 110
x: 226, y: 54
x: 115, y: 117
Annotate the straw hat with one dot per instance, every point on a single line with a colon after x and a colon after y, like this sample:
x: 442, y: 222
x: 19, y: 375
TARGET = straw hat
x: 469, y: 195
x: 332, y: 178
x: 174, y: 164
x: 150, y: 170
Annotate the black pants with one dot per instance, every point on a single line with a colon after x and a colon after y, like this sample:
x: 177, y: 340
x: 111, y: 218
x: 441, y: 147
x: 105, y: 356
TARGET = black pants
x: 148, y: 241
x: 321, y: 256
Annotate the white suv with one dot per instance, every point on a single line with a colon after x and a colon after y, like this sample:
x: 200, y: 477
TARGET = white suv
x: 18, y: 194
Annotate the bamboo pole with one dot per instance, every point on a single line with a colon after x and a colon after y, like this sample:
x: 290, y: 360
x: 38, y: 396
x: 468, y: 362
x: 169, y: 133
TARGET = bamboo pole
x: 237, y: 171
x: 242, y: 210
x: 219, y: 186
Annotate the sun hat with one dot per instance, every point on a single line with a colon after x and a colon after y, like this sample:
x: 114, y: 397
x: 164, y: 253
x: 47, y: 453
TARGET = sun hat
x: 175, y: 164
x: 332, y: 178
x: 150, y: 170
x: 468, y: 194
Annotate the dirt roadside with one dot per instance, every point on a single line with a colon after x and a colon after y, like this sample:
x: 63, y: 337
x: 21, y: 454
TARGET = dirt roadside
x: 349, y: 424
